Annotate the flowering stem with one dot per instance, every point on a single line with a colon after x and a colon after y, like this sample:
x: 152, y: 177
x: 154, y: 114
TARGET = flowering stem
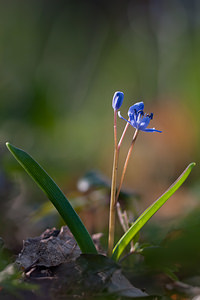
x: 123, y: 134
x: 126, y: 164
x: 113, y: 190
x: 113, y: 185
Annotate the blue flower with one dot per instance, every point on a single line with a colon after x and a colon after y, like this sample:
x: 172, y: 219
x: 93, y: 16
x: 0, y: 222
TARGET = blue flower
x: 117, y: 100
x: 138, y: 119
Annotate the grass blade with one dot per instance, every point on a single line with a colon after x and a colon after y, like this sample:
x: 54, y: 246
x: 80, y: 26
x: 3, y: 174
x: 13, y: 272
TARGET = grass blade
x: 56, y: 196
x: 148, y: 213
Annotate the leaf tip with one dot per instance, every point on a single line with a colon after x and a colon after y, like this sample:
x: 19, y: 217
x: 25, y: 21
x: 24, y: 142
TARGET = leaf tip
x: 191, y: 165
x: 8, y: 145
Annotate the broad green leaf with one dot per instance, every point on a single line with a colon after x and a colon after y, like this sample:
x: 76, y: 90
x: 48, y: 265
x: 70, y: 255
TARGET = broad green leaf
x: 56, y: 196
x: 148, y: 213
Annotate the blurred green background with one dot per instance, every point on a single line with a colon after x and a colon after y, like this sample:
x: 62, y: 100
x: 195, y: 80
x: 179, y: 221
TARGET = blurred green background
x: 60, y: 64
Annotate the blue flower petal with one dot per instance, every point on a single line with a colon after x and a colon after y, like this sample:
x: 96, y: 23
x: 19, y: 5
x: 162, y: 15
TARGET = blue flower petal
x: 133, y: 120
x: 143, y: 123
x: 151, y: 130
x: 119, y: 114
x: 139, y: 106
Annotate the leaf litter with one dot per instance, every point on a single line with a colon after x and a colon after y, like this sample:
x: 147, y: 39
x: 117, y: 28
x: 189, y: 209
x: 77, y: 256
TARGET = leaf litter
x: 55, y: 258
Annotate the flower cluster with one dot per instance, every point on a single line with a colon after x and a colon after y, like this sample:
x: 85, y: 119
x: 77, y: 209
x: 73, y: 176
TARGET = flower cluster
x: 137, y: 118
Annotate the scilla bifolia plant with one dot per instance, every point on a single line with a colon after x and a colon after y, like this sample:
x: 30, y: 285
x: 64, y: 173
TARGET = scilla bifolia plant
x: 138, y: 120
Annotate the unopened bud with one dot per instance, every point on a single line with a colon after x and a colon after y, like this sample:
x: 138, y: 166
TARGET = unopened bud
x: 117, y: 100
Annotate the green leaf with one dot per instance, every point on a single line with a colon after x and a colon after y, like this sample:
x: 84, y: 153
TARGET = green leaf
x: 56, y: 196
x: 148, y: 213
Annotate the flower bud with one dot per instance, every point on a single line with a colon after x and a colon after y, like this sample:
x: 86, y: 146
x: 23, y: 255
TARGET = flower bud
x: 117, y: 100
